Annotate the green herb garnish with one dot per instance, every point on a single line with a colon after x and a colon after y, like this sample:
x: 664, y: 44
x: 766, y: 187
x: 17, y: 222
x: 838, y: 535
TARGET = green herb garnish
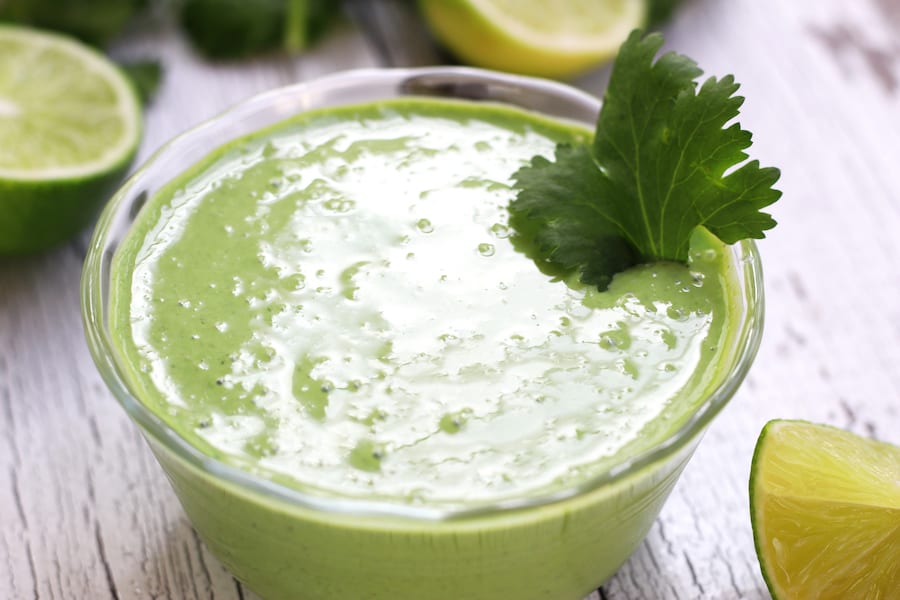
x: 96, y: 22
x: 225, y: 29
x: 662, y: 163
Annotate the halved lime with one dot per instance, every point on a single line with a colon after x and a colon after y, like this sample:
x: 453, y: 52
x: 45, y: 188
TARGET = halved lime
x: 70, y: 123
x: 550, y: 38
x: 825, y: 507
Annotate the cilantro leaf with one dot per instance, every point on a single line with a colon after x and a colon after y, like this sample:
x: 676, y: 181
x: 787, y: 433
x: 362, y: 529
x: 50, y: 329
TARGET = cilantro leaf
x: 663, y: 161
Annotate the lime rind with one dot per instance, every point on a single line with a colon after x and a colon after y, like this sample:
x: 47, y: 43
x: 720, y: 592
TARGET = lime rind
x: 580, y: 26
x: 825, y: 510
x: 119, y: 123
x: 534, y: 37
x: 70, y: 125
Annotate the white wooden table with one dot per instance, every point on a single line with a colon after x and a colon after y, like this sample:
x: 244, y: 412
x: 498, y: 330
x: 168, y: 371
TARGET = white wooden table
x: 85, y: 513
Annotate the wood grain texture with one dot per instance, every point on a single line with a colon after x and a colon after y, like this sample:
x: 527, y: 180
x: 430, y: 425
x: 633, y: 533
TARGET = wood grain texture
x: 86, y: 513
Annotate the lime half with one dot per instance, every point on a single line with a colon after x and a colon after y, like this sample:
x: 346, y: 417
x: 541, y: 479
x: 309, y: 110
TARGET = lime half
x: 825, y: 506
x: 70, y: 123
x: 550, y: 38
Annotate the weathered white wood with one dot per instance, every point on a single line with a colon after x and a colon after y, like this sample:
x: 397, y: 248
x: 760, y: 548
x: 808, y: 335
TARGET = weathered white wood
x: 86, y: 513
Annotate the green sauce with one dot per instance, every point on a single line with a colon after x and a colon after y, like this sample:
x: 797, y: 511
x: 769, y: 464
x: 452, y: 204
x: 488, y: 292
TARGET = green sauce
x: 337, y: 303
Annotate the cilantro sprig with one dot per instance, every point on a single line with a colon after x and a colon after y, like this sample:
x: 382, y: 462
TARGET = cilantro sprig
x: 664, y: 160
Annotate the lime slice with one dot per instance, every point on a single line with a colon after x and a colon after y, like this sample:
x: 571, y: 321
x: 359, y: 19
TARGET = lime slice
x: 70, y: 123
x: 550, y: 38
x: 825, y: 506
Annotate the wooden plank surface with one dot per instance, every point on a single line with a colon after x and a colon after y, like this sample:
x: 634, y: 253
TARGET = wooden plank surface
x: 86, y: 513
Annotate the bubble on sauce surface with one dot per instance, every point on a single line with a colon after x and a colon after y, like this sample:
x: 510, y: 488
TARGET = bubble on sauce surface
x: 676, y: 314
x: 339, y: 205
x: 500, y: 231
x: 367, y: 456
x: 708, y: 255
x: 454, y: 422
x: 616, y: 339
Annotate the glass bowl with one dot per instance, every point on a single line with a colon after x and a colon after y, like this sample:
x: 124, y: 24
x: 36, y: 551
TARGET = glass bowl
x: 285, y: 543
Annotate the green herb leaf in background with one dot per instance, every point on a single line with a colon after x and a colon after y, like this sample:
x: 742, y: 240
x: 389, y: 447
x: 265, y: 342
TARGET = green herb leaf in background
x: 96, y: 22
x: 146, y: 76
x: 227, y: 29
x: 656, y: 170
x: 660, y: 11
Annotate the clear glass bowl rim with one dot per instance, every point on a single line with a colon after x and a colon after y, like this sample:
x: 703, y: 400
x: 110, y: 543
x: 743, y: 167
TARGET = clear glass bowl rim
x: 454, y: 82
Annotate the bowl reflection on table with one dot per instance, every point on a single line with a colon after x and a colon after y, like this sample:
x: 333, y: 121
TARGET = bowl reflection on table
x: 285, y: 543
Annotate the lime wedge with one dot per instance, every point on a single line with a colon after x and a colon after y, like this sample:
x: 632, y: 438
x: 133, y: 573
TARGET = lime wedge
x: 70, y: 123
x: 825, y: 507
x: 550, y: 38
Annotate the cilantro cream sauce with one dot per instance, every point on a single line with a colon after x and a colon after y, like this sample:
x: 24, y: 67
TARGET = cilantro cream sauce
x: 336, y: 303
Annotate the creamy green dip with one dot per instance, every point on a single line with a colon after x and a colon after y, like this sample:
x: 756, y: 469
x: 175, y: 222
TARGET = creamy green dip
x: 338, y: 304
